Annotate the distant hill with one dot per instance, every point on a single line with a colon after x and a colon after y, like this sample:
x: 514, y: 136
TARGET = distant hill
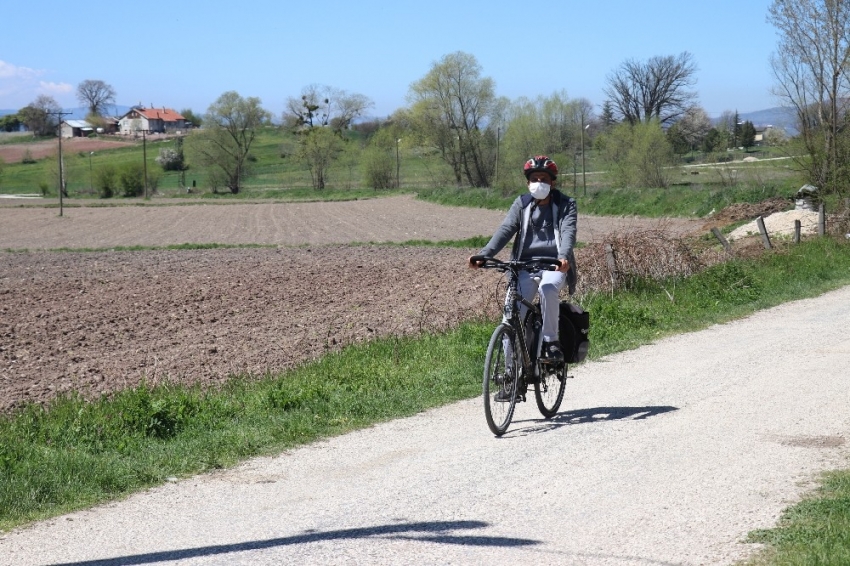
x: 778, y: 117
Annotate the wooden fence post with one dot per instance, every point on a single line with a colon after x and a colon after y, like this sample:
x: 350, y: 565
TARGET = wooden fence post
x: 726, y: 245
x: 821, y: 220
x: 765, y: 237
x: 797, y: 229
x: 611, y: 259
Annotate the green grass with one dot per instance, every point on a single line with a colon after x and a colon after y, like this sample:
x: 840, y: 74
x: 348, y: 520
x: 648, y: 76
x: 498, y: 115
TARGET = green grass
x: 815, y: 531
x: 75, y: 453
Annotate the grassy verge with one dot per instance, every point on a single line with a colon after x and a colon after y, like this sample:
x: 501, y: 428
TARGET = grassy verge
x: 815, y: 531
x: 75, y: 453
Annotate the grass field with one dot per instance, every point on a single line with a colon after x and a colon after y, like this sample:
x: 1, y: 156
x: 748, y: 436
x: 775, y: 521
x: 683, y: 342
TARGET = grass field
x: 277, y: 174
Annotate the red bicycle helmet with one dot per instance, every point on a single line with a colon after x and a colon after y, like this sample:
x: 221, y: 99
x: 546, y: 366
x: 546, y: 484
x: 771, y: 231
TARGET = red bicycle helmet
x: 540, y: 163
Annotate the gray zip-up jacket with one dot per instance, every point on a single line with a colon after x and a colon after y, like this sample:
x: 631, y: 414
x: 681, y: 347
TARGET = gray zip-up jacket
x: 565, y: 217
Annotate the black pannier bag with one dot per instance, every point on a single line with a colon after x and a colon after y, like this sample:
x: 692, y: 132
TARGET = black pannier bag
x: 573, y: 327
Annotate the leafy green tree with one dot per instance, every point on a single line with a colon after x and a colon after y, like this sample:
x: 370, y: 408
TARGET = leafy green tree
x: 10, y: 123
x: 607, y: 119
x: 2, y: 166
x: 736, y: 131
x: 550, y: 125
x: 379, y: 160
x: 455, y: 111
x: 714, y: 141
x: 318, y: 148
x: 748, y: 135
x: 223, y: 146
x: 677, y: 139
x: 41, y: 115
x: 195, y: 119
x: 638, y: 155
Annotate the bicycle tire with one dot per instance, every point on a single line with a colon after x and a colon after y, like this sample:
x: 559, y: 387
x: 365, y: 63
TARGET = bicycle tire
x: 498, y: 379
x: 549, y: 389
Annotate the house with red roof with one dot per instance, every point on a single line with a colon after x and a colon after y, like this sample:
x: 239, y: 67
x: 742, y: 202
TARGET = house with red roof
x: 152, y: 120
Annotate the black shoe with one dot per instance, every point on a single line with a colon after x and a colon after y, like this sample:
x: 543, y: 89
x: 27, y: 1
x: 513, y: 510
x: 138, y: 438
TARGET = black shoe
x: 502, y: 397
x: 552, y: 353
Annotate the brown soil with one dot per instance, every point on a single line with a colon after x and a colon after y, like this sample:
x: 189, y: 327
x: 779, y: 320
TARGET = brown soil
x: 95, y: 322
x: 14, y: 153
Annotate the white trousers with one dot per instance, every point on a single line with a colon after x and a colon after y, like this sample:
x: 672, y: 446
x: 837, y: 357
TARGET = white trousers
x: 549, y: 285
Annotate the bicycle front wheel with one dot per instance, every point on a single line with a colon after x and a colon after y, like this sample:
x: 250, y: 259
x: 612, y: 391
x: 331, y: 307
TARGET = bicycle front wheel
x: 500, y: 379
x: 549, y: 389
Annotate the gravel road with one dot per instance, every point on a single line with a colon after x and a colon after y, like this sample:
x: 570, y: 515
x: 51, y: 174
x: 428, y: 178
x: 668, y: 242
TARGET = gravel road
x: 668, y: 454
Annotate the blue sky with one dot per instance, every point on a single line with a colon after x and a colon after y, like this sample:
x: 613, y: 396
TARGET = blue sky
x: 185, y: 53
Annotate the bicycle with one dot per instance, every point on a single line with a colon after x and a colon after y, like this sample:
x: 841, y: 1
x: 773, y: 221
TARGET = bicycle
x: 510, y: 365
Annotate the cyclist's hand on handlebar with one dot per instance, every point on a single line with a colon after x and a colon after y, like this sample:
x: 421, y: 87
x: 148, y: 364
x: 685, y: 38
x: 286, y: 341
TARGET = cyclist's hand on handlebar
x: 564, y: 267
x: 475, y: 262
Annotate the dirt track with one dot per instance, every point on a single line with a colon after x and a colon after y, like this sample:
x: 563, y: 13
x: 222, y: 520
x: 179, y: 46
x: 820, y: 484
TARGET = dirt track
x: 395, y: 219
x: 98, y: 321
x: 14, y: 153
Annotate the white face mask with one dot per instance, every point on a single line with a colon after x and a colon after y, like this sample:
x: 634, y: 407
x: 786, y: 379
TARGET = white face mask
x: 539, y: 190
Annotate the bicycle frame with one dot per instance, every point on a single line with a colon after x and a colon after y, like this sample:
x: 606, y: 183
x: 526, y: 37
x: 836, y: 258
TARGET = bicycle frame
x: 511, y: 316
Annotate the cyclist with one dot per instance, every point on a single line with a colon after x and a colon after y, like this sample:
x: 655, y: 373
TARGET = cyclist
x: 544, y: 223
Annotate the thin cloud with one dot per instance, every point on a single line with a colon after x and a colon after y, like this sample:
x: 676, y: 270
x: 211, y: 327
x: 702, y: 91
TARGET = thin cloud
x: 55, y: 88
x: 10, y: 71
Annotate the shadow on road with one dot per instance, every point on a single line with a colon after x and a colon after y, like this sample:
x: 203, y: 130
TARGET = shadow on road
x: 592, y: 415
x: 432, y: 531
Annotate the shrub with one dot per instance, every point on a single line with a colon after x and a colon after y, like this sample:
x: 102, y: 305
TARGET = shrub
x: 27, y: 158
x: 170, y: 160
x: 378, y: 169
x: 106, y: 181
x: 132, y: 179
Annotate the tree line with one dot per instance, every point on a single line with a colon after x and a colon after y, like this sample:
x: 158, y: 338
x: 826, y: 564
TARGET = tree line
x: 650, y: 114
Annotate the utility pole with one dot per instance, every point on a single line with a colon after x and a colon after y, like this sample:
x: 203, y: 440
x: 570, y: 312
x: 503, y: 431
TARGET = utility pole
x: 397, y: 165
x: 496, y: 173
x: 145, y: 160
x: 583, y: 176
x: 59, y: 114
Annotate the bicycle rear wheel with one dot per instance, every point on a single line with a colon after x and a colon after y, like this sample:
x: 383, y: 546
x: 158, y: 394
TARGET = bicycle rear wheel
x: 500, y: 379
x: 549, y: 389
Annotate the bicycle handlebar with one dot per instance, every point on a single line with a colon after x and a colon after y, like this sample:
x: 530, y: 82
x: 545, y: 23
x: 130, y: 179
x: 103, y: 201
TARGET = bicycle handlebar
x: 533, y: 264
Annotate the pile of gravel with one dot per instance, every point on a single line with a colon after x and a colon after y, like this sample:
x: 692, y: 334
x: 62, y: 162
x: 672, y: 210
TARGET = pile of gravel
x: 780, y: 223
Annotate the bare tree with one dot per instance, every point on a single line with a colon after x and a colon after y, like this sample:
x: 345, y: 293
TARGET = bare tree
x: 96, y: 95
x: 810, y: 67
x: 656, y: 89
x: 321, y: 105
